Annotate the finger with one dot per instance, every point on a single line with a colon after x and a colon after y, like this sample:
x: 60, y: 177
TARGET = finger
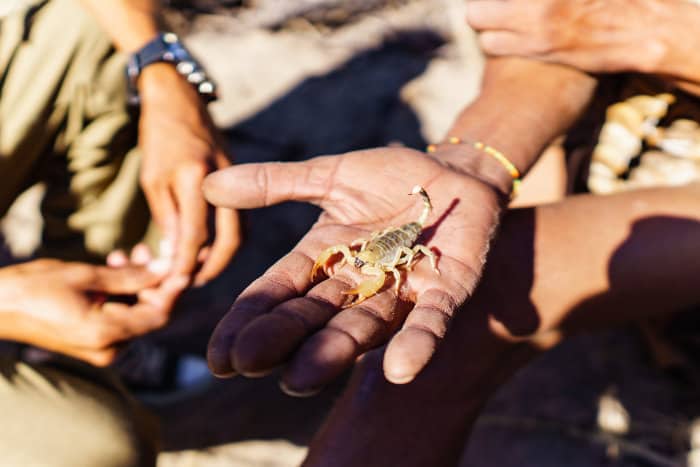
x: 502, y: 43
x: 602, y: 59
x: 117, y: 259
x: 285, y: 280
x: 165, y: 296
x: 203, y: 255
x: 119, y: 322
x: 335, y: 348
x: 270, y: 340
x: 226, y: 243
x: 163, y: 209
x: 490, y: 15
x: 249, y: 186
x: 99, y: 358
x: 141, y: 255
x: 123, y: 280
x: 192, y: 220
x: 412, y: 347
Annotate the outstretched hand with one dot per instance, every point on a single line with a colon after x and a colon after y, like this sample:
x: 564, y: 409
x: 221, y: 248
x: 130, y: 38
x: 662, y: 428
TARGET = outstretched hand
x: 284, y: 319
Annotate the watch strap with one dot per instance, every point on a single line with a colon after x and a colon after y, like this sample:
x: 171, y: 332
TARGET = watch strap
x: 166, y: 47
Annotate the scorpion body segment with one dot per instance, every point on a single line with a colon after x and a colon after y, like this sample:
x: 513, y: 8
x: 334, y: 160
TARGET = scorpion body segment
x: 382, y: 249
x: 383, y: 252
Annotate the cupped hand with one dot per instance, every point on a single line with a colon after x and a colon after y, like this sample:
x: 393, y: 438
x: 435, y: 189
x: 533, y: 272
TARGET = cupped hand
x: 283, y: 318
x: 180, y: 148
x: 595, y: 36
x: 82, y: 310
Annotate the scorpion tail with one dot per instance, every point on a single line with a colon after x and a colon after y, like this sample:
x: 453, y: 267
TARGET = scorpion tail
x: 419, y: 190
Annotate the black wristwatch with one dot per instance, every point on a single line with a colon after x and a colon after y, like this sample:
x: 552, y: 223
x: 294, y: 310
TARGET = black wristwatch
x: 166, y: 47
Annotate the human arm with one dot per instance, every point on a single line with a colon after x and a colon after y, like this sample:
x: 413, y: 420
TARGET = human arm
x: 522, y: 106
x: 586, y: 262
x: 179, y: 143
x: 71, y: 308
x: 284, y: 318
x: 646, y: 36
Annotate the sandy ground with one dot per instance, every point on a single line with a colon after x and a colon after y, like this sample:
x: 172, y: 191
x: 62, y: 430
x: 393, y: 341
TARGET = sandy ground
x: 397, y: 75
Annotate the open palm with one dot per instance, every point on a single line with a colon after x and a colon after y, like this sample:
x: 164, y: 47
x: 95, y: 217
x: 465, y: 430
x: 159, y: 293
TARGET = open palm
x: 285, y: 318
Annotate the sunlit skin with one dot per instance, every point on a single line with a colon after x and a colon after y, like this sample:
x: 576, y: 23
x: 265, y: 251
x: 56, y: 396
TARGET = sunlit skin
x: 79, y: 309
x: 180, y: 146
x: 360, y: 193
x: 282, y: 319
x: 605, y: 36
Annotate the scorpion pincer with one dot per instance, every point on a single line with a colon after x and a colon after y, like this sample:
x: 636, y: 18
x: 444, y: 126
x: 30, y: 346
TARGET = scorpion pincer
x: 384, y: 252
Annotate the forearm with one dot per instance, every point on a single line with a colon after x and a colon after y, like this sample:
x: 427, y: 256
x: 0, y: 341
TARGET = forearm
x: 522, y: 107
x: 590, y: 261
x: 130, y: 23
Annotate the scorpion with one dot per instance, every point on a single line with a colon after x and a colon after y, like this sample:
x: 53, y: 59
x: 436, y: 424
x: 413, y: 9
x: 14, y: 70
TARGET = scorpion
x: 383, y: 252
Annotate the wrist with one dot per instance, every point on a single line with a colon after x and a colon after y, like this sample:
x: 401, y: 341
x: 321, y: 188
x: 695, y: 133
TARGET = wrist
x: 477, y: 164
x: 519, y: 115
x: 165, y: 60
x: 158, y: 80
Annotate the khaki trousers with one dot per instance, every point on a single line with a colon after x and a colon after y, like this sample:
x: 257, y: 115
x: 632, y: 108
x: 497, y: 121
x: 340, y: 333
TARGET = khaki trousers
x: 64, y: 122
x: 70, y: 417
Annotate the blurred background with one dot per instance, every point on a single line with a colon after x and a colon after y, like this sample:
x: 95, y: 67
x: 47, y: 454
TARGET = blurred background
x: 313, y: 77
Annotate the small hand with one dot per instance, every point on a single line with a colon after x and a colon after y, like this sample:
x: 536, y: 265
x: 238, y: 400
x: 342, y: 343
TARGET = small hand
x: 283, y: 318
x: 594, y: 36
x: 70, y: 308
x: 180, y: 148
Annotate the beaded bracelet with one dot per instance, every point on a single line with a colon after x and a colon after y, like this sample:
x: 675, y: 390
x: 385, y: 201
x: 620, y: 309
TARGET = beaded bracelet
x: 495, y: 153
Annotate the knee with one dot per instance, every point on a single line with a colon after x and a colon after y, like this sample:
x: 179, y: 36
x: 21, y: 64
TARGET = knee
x: 59, y: 420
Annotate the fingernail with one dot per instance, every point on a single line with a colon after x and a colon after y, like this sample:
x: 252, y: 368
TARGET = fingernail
x: 298, y: 392
x: 225, y: 375
x: 257, y: 374
x: 399, y: 379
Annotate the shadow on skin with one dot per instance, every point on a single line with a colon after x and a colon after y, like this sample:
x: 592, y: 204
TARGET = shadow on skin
x: 622, y: 264
x: 437, y: 410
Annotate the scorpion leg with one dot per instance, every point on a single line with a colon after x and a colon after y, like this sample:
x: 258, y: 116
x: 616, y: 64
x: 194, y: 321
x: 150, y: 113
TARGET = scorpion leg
x: 406, y: 257
x: 430, y: 254
x: 322, y: 260
x: 397, y: 278
x: 367, y: 288
x: 403, y: 256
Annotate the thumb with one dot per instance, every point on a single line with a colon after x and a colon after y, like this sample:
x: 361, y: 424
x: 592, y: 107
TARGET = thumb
x: 248, y: 186
x: 125, y: 280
